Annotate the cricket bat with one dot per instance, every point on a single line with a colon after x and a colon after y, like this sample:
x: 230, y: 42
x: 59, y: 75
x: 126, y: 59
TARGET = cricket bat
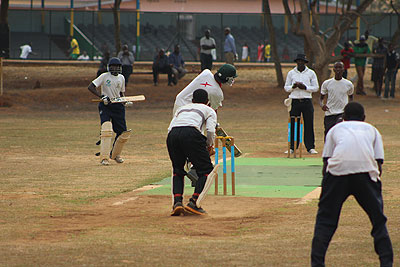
x: 124, y: 99
x: 221, y: 132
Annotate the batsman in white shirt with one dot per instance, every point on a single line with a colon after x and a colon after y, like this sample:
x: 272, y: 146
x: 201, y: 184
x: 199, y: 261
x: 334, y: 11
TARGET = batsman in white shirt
x: 112, y: 115
x: 353, y: 156
x: 339, y: 91
x: 186, y: 141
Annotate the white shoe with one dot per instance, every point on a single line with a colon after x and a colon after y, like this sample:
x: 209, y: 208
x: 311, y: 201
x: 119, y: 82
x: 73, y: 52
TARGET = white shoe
x: 291, y: 151
x: 105, y: 162
x: 312, y: 151
x: 118, y: 159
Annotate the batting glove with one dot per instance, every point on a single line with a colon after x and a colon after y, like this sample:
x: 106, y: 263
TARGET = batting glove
x: 106, y: 100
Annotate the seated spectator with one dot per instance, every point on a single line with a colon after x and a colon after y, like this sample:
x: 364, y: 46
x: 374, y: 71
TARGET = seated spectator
x: 103, y: 63
x: 177, y: 64
x: 84, y: 56
x: 161, y: 65
x: 97, y: 57
x: 127, y: 60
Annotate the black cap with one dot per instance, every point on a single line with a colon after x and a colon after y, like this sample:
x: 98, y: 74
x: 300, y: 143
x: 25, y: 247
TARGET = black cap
x: 200, y: 96
x: 301, y: 57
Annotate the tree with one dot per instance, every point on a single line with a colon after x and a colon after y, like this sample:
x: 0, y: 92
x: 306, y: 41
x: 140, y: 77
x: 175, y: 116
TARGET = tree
x: 4, y: 30
x: 117, y: 25
x: 396, y: 36
x: 319, y: 45
x: 274, y: 50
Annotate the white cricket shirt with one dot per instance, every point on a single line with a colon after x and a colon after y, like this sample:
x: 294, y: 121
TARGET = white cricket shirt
x: 205, y: 80
x: 307, y: 77
x: 111, y: 85
x: 198, y: 116
x: 25, y: 51
x: 209, y: 42
x: 338, y: 92
x: 353, y: 147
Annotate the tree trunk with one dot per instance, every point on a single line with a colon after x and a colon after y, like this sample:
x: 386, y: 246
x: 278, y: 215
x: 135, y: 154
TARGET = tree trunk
x: 117, y: 26
x: 396, y: 36
x: 274, y: 50
x: 4, y: 30
x: 316, y: 47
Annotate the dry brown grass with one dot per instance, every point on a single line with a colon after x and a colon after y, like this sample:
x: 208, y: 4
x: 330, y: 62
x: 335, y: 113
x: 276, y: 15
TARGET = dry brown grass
x: 56, y: 201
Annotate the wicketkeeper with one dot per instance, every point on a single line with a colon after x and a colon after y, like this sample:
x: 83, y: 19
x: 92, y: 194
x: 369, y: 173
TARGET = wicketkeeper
x: 112, y: 115
x: 186, y: 141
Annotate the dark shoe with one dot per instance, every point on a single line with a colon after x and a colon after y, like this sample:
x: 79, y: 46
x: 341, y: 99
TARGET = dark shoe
x: 156, y: 83
x: 191, y: 207
x: 177, y: 209
x: 192, y: 175
x: 361, y: 93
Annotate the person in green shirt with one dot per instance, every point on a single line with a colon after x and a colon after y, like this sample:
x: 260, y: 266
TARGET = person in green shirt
x: 359, y: 62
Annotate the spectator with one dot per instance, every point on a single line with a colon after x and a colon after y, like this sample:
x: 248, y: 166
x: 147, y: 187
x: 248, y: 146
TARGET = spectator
x: 245, y: 52
x: 97, y: 57
x: 207, y: 44
x: 161, y: 65
x: 360, y: 48
x: 392, y: 65
x: 74, y: 48
x: 370, y: 40
x: 267, y: 52
x: 177, y: 65
x: 378, y: 67
x: 260, y: 52
x: 229, y: 47
x: 104, y: 48
x: 347, y: 52
x: 26, y: 50
x: 103, y: 63
x: 84, y: 56
x: 127, y: 60
x: 301, y: 82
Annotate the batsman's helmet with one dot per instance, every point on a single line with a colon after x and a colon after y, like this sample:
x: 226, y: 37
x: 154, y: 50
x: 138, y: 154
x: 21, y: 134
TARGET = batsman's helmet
x: 227, y: 73
x: 114, y: 66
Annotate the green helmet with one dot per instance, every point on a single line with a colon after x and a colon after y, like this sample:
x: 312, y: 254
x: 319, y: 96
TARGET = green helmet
x: 227, y: 73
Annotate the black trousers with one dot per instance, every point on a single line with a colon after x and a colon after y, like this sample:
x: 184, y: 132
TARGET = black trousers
x: 206, y: 61
x: 188, y: 143
x: 165, y: 69
x: 114, y: 113
x: 330, y: 121
x: 335, y: 190
x: 305, y: 107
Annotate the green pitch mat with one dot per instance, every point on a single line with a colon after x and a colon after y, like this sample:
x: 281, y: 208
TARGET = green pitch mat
x: 263, y: 177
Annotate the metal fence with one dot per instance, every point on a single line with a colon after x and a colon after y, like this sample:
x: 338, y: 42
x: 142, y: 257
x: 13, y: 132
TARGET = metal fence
x: 94, y: 30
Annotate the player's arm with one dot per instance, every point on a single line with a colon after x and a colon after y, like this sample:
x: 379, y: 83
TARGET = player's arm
x: 379, y: 162
x: 324, y: 166
x: 289, y: 85
x: 322, y: 103
x: 93, y: 89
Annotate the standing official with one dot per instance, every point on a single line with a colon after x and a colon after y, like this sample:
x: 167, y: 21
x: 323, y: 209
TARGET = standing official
x: 339, y: 91
x: 301, y: 82
x: 112, y: 116
x: 353, y: 156
x: 207, y: 43
x: 186, y: 141
x: 127, y: 60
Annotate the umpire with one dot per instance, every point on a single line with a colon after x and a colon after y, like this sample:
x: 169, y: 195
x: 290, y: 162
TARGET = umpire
x: 353, y: 156
x: 301, y: 82
x: 186, y: 141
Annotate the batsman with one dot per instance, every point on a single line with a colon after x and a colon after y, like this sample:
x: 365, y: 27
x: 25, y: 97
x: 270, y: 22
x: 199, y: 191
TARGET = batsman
x: 112, y: 115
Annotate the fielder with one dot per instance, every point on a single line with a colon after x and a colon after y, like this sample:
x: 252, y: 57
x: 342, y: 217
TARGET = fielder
x: 112, y: 115
x: 339, y: 91
x: 353, y: 156
x: 186, y: 141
